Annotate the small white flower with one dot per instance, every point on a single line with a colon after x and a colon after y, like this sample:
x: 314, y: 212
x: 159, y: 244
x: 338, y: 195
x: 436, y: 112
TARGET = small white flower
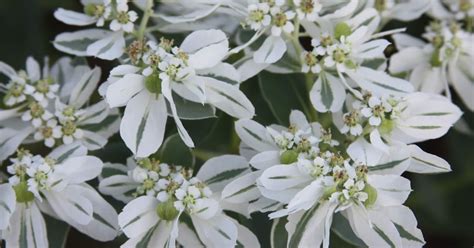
x: 308, y: 9
x: 258, y: 16
x: 124, y: 19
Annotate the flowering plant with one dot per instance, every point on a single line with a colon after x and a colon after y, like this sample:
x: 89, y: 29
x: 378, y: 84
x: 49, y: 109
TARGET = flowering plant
x: 304, y: 115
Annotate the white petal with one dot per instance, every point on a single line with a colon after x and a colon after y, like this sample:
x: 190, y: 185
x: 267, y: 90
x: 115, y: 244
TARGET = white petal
x: 84, y: 88
x: 229, y: 99
x: 206, y: 48
x: 462, y: 81
x: 391, y: 189
x: 219, y: 171
x: 77, y: 43
x: 68, y: 151
x: 360, y: 223
x: 120, y: 92
x: 266, y: 159
x: 181, y: 130
x: 33, y: 69
x: 79, y: 169
x: 254, y: 135
x: 219, y: 231
x: 242, y: 189
x: 70, y: 205
x: 405, y: 220
x: 280, y: 177
x: 143, y: 124
x: 423, y: 162
x: 406, y: 59
x: 138, y: 216
x: 73, y: 18
x: 108, y: 48
x: 272, y: 49
x: 328, y: 93
x: 7, y: 205
x: 117, y: 186
x: 380, y: 82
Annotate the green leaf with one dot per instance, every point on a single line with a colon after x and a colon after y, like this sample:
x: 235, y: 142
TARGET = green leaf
x: 189, y: 110
x: 284, y: 93
x: 342, y: 228
x: 279, y: 235
x: 57, y: 232
x: 174, y: 151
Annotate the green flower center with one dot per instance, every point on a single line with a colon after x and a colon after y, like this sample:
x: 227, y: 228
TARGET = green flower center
x: 122, y: 17
x: 307, y: 6
x: 36, y: 110
x: 256, y: 15
x: 69, y: 128
x: 280, y: 19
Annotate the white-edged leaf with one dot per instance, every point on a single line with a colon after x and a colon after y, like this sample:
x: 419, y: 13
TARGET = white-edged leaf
x: 328, y: 93
x: 76, y: 43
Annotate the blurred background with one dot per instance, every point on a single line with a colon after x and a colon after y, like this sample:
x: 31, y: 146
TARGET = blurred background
x: 443, y: 204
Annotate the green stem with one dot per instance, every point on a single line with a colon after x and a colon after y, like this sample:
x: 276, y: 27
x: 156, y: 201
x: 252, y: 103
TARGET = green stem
x: 313, y: 115
x: 146, y: 16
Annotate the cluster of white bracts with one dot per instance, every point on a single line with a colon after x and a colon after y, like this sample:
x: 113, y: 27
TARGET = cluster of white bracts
x: 302, y: 175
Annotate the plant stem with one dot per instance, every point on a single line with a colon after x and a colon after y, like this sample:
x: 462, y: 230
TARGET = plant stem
x: 146, y: 16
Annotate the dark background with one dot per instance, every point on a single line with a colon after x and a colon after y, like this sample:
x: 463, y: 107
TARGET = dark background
x: 443, y: 204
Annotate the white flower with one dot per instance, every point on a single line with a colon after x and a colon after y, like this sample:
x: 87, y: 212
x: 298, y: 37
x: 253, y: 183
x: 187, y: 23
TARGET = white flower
x: 401, y: 10
x: 357, y: 186
x: 445, y: 60
x: 282, y: 21
x: 57, y: 180
x: 258, y: 16
x: 124, y: 19
x: 391, y: 120
x: 71, y: 117
x: 308, y: 9
x: 100, y: 43
x: 197, y: 197
x: 189, y: 73
x: 49, y: 132
x: 339, y: 52
x: 266, y: 147
x: 452, y: 9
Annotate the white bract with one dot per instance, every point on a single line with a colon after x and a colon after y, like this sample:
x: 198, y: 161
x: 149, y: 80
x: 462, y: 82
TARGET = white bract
x: 105, y: 44
x: 339, y: 56
x: 444, y: 60
x: 280, y: 21
x: 366, y: 190
x: 392, y: 120
x: 404, y: 10
x: 193, y: 72
x: 162, y: 198
x: 53, y: 107
x: 54, y: 185
x: 268, y: 146
x: 452, y: 9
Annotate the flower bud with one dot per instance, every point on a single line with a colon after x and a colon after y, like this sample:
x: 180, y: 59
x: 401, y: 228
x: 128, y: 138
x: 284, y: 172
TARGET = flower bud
x: 153, y: 83
x: 22, y: 193
x: 288, y: 157
x: 342, y: 29
x: 166, y: 210
x: 372, y: 195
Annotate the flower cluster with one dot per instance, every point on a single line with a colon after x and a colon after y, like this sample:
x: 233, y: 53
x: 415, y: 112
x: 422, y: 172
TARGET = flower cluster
x: 54, y: 185
x: 54, y: 109
x: 164, y: 196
